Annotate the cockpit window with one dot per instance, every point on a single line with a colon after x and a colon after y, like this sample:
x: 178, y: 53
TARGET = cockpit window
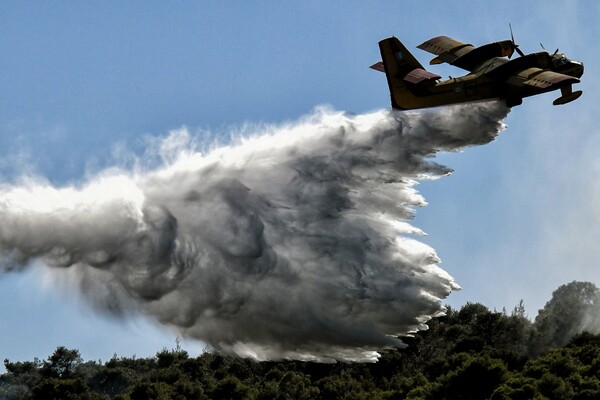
x: 560, y: 61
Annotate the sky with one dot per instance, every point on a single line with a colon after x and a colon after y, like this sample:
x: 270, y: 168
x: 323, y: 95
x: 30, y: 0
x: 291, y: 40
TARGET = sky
x: 85, y: 85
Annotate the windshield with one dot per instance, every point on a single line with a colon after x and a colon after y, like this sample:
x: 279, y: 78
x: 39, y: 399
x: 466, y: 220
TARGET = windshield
x: 560, y: 60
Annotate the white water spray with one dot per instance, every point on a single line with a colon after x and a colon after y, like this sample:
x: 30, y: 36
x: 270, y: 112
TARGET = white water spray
x: 291, y: 244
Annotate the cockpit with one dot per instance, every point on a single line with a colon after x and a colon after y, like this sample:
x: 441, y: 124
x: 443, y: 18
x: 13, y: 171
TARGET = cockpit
x: 560, y: 60
x: 565, y: 66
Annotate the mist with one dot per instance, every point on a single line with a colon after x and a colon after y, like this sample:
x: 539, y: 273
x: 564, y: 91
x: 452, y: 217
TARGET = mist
x: 293, y: 241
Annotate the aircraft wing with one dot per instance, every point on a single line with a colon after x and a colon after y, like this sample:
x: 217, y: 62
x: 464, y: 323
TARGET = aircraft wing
x: 446, y: 49
x: 547, y: 79
x: 541, y: 79
x: 536, y: 80
x: 465, y: 55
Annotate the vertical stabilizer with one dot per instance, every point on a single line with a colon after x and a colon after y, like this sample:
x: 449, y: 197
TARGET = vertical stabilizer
x: 398, y: 63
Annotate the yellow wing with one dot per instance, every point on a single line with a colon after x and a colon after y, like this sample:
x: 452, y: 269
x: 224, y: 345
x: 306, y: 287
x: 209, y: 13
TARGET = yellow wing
x: 446, y: 49
x: 465, y: 55
x: 541, y: 79
x: 546, y: 79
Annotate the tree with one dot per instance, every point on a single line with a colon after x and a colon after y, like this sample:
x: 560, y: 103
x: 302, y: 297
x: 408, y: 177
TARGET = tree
x: 476, y: 378
x: 63, y: 363
x: 573, y: 308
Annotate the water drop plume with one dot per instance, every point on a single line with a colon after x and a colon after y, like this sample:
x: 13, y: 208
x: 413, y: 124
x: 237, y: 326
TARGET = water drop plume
x: 292, y: 242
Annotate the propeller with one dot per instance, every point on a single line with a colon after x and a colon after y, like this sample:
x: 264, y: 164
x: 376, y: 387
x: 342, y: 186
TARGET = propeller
x: 512, y: 39
x: 553, y: 54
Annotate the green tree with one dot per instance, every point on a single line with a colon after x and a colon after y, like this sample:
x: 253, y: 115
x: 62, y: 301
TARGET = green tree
x: 231, y: 388
x: 573, y: 308
x: 61, y: 389
x: 62, y: 363
x: 477, y: 377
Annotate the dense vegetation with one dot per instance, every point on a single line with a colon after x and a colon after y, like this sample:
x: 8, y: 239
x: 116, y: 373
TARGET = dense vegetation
x: 472, y: 353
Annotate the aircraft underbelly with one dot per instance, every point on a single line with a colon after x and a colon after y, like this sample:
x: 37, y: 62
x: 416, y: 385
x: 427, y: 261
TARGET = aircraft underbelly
x: 447, y: 93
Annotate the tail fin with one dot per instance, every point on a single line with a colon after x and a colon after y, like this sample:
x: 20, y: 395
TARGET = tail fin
x: 396, y: 58
x: 402, y: 68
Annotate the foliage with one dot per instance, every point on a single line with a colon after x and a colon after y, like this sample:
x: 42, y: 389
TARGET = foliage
x: 572, y: 309
x: 471, y: 353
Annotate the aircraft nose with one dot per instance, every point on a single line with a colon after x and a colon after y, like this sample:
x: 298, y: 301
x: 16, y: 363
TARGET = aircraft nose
x: 578, y: 69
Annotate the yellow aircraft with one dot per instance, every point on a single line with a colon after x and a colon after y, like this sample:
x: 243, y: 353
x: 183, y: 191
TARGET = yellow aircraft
x: 492, y: 74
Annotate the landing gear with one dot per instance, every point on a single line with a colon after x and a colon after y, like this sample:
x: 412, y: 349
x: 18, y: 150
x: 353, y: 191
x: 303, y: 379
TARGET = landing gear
x: 567, y: 95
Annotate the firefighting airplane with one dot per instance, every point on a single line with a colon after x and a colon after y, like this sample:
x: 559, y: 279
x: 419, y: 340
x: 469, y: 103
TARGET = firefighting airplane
x: 492, y: 74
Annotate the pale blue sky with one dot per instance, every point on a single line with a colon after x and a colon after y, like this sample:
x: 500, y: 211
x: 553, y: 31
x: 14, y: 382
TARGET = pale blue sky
x: 78, y: 80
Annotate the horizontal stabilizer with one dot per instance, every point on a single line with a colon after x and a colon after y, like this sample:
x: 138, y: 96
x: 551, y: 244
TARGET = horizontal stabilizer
x: 419, y: 75
x: 378, y: 66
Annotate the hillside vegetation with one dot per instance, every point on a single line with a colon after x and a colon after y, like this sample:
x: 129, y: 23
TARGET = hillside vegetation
x: 472, y: 353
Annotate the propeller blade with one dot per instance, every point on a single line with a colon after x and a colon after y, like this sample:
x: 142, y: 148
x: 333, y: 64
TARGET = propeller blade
x: 519, y: 51
x: 553, y: 54
x: 512, y: 39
